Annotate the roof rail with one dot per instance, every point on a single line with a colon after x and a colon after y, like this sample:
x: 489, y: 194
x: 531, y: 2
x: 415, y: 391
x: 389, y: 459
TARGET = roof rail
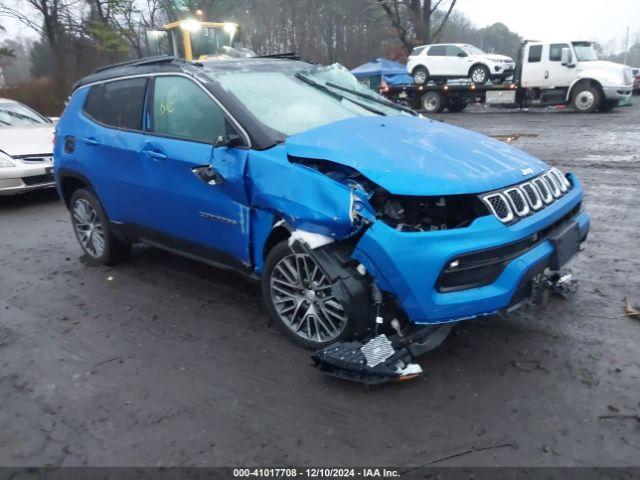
x: 137, y: 62
x: 289, y: 55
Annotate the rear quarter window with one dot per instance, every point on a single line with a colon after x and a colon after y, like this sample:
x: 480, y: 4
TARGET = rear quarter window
x: 117, y: 103
x: 535, y: 53
x: 417, y: 51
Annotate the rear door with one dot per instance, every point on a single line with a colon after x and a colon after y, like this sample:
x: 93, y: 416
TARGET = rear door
x: 109, y: 141
x: 534, y: 70
x: 436, y: 60
x: 184, y: 209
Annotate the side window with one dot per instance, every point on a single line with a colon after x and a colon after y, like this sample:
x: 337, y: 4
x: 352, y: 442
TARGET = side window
x: 417, y: 51
x: 181, y: 109
x: 118, y: 103
x: 453, y: 51
x: 555, y: 51
x: 438, y: 51
x: 535, y: 53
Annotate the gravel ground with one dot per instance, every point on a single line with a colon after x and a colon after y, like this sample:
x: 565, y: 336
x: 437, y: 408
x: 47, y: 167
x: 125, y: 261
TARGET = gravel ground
x: 164, y: 361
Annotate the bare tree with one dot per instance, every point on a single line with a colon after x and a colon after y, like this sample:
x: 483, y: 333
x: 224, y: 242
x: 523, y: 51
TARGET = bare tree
x: 417, y: 22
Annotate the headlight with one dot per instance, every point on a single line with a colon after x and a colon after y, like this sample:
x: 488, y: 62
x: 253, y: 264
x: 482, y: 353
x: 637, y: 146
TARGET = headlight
x: 5, y: 160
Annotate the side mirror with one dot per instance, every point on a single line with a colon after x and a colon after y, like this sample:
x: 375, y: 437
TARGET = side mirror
x: 208, y: 175
x: 231, y: 140
x: 462, y: 55
x: 565, y: 57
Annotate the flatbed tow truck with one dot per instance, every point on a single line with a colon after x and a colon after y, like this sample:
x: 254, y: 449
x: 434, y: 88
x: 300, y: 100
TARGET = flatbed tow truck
x: 547, y: 74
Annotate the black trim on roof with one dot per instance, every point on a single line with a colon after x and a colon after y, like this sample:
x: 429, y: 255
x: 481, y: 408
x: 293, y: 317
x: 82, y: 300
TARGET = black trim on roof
x: 163, y: 63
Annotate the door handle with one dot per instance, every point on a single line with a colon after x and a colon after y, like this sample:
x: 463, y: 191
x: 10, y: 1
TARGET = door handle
x: 155, y: 154
x: 546, y: 74
x: 90, y: 141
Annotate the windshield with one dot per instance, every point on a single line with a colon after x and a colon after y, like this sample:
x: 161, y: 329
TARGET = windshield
x: 290, y: 102
x: 209, y: 40
x: 13, y: 113
x: 471, y: 50
x: 585, y: 51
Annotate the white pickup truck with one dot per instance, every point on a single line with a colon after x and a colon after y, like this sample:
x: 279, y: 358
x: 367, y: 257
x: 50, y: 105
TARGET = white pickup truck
x: 546, y: 73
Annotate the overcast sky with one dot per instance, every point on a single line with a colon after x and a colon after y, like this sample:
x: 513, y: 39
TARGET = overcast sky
x: 603, y: 21
x: 598, y: 20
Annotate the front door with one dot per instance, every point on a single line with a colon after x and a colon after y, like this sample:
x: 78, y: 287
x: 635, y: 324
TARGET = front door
x: 559, y: 75
x: 183, y: 124
x: 458, y: 62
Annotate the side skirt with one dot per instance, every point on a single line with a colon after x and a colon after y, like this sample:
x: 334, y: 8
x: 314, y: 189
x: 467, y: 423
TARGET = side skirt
x: 182, y: 247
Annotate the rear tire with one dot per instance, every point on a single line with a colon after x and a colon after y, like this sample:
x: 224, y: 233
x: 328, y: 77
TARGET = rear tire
x: 456, y: 105
x: 420, y: 76
x: 433, y: 102
x: 586, y: 98
x: 91, y: 227
x: 311, y: 310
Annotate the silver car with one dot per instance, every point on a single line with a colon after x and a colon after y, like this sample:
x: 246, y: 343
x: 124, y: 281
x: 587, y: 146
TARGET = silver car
x: 26, y: 146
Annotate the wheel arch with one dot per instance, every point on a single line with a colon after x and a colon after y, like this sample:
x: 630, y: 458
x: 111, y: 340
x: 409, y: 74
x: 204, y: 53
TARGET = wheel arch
x: 279, y: 233
x: 478, y: 64
x: 584, y: 81
x: 418, y: 66
x: 69, y: 182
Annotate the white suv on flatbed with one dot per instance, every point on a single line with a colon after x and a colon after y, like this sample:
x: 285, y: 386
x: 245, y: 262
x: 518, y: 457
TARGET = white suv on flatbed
x: 457, y: 60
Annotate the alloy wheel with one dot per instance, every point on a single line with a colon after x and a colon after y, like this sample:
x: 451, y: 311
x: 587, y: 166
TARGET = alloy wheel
x: 479, y: 75
x: 420, y: 76
x: 304, y: 299
x: 88, y: 227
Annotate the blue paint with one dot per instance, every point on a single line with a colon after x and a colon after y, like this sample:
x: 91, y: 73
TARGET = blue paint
x: 414, y: 156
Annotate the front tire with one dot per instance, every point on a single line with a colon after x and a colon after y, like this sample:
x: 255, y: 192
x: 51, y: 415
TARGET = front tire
x: 479, y: 74
x: 586, y: 98
x: 312, y: 311
x: 91, y: 227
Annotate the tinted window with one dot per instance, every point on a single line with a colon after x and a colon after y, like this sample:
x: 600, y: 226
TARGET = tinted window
x: 118, y: 103
x: 555, y: 51
x: 438, y: 51
x: 182, y: 109
x: 535, y: 53
x: 417, y: 51
x: 453, y: 51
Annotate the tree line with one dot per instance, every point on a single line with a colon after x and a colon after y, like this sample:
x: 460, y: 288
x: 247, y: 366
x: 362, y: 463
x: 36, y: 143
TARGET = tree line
x: 77, y: 36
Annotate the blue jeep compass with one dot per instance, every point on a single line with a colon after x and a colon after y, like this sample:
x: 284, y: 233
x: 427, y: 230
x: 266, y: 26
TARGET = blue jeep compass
x: 355, y: 213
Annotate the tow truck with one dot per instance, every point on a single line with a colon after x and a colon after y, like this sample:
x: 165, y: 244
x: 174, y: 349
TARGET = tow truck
x: 547, y: 74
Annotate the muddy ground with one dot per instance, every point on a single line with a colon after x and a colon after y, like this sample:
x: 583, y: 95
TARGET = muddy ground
x: 164, y: 361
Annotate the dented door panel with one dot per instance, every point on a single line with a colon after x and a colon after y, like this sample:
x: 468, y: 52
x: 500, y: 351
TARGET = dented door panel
x: 304, y: 198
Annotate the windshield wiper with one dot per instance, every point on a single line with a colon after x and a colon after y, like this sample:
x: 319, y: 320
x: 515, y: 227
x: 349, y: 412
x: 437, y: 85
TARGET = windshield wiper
x: 381, y: 101
x: 323, y: 88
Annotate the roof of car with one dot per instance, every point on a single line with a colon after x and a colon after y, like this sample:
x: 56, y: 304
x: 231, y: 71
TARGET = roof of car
x: 444, y: 44
x: 168, y: 64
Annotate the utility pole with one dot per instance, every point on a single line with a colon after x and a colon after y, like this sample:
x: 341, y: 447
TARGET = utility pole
x: 626, y: 47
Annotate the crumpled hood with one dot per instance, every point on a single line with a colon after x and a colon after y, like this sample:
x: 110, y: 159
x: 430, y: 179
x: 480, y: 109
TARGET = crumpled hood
x: 408, y: 155
x: 27, y: 139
